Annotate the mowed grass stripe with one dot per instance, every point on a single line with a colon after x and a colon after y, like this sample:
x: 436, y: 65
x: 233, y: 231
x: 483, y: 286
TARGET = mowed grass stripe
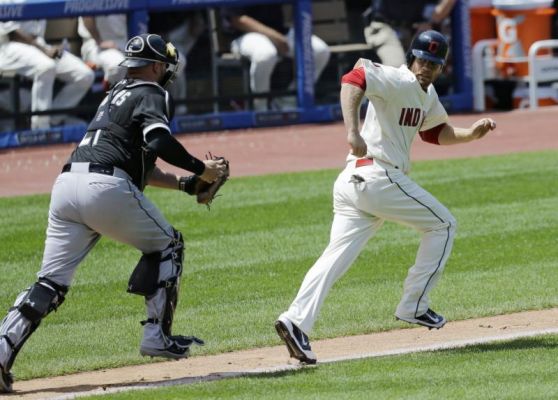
x: 514, y: 369
x: 245, y: 260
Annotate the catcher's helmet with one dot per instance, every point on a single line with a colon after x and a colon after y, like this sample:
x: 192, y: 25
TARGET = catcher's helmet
x: 148, y: 48
x: 428, y: 45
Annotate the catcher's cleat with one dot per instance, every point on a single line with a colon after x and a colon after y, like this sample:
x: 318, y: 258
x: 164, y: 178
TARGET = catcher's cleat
x: 175, y: 347
x: 6, y: 380
x: 297, y: 342
x: 429, y: 319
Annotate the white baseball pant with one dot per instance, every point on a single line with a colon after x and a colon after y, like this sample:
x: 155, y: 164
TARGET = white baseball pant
x: 360, y: 210
x: 263, y: 57
x: 32, y: 63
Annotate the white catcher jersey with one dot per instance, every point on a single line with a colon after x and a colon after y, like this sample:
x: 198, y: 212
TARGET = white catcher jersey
x: 398, y: 109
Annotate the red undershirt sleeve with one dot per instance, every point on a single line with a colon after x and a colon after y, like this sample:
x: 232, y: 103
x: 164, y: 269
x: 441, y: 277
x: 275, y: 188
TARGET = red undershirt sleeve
x: 355, y: 77
x: 431, y: 135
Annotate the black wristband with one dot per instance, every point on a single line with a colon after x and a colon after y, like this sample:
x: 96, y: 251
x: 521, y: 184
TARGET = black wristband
x: 187, y: 184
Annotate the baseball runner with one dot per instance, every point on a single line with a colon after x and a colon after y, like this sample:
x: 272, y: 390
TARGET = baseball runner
x: 99, y: 192
x: 374, y: 186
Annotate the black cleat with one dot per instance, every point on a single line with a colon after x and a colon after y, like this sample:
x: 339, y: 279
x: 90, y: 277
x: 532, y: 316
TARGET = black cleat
x: 176, y: 347
x: 296, y: 340
x: 6, y: 380
x: 429, y: 319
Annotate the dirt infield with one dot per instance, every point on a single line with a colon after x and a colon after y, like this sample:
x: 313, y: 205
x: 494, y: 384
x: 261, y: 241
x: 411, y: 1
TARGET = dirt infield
x: 272, y: 359
x: 286, y: 149
x: 291, y: 148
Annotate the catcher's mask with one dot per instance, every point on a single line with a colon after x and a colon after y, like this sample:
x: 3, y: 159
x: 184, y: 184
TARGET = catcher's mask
x: 148, y: 48
x: 428, y: 45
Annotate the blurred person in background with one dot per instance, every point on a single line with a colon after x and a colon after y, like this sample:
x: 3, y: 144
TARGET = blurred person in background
x: 182, y: 29
x: 24, y: 50
x: 260, y: 34
x: 104, y: 38
x: 393, y: 24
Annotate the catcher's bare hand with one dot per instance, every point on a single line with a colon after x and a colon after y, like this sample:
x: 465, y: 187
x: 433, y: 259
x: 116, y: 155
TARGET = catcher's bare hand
x: 357, y: 143
x: 482, y: 127
x: 214, y: 169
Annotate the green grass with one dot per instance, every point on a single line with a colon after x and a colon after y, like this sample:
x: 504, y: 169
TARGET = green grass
x: 519, y: 369
x: 246, y: 258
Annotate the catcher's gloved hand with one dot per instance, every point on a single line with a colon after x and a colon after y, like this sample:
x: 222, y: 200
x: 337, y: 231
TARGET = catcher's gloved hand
x: 205, y: 191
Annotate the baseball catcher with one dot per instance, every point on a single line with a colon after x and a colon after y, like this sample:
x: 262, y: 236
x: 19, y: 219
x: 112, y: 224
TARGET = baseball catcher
x: 99, y: 192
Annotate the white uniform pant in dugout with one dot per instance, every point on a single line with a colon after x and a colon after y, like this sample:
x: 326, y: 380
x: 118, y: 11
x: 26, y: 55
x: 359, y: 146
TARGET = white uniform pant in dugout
x: 32, y: 63
x: 385, y: 193
x: 263, y: 56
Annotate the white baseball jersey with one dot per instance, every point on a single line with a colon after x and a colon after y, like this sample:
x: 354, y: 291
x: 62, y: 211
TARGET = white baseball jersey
x: 111, y: 27
x: 398, y: 109
x: 35, y: 27
x: 5, y: 29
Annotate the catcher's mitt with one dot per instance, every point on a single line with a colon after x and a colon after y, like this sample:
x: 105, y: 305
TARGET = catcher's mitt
x: 205, y: 192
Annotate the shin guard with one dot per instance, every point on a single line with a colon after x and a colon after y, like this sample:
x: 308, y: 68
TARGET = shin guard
x: 30, y: 307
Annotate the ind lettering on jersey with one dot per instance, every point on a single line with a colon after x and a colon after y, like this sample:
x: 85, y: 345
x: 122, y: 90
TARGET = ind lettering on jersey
x: 411, y: 116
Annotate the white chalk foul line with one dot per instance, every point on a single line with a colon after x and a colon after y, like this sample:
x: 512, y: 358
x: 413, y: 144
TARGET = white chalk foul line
x: 453, y: 344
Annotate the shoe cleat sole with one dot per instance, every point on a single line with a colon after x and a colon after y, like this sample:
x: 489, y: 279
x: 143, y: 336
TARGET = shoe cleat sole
x: 294, y: 352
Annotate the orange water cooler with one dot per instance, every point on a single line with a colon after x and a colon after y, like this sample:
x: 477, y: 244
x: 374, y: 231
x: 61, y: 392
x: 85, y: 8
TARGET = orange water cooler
x: 519, y: 24
x: 483, y: 22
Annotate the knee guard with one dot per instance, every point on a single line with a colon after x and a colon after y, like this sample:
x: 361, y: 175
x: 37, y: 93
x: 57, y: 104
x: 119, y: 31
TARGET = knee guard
x: 157, y: 277
x: 30, y: 307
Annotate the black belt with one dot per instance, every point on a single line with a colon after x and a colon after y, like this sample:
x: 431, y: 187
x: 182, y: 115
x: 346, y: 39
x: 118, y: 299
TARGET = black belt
x: 95, y: 168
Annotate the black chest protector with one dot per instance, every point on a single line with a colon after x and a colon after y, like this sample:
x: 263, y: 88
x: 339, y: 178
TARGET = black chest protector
x: 115, y: 136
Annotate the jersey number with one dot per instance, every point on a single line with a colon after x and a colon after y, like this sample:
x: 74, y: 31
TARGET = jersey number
x: 90, y: 138
x: 120, y: 97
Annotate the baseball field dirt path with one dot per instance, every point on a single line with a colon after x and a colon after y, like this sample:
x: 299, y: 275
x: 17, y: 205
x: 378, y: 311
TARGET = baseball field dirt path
x: 289, y: 149
x: 273, y: 359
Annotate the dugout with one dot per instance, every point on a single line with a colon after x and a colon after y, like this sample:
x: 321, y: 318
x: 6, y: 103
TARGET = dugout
x: 310, y: 107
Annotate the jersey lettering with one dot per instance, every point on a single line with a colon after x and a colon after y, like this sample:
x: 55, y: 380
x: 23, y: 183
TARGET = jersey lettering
x: 410, y: 116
